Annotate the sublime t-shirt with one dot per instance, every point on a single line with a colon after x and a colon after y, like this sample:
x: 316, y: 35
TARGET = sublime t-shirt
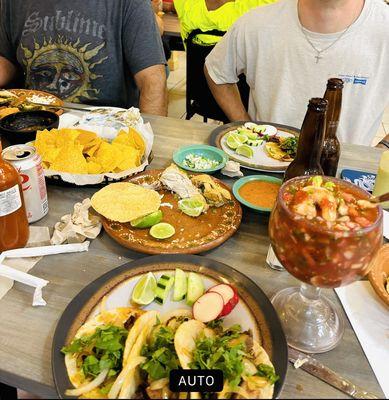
x: 269, y: 47
x: 83, y: 51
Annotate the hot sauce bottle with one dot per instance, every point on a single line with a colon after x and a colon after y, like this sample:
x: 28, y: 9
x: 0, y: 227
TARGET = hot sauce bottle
x: 331, y: 147
x: 307, y: 161
x: 14, y: 229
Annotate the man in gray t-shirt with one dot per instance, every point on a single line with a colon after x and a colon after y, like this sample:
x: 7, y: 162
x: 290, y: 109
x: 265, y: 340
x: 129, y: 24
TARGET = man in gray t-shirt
x: 99, y: 52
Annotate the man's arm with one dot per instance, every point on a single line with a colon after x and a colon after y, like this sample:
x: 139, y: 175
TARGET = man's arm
x: 384, y: 143
x: 151, y: 82
x: 8, y: 72
x: 228, y: 97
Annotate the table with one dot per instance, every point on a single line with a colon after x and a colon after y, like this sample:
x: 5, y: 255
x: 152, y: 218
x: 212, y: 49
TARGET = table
x: 171, y: 25
x: 26, y: 332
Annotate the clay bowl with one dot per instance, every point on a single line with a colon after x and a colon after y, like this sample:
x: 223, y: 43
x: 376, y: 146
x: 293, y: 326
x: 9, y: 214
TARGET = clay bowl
x: 379, y: 273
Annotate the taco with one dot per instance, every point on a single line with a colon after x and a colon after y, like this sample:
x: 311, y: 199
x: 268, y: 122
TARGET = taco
x: 94, y: 357
x: 247, y: 369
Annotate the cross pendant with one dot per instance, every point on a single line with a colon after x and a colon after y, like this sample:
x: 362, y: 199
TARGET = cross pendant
x: 318, y: 57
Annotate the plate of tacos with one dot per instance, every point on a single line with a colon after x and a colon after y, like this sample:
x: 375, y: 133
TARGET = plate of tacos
x: 260, y: 146
x: 123, y: 334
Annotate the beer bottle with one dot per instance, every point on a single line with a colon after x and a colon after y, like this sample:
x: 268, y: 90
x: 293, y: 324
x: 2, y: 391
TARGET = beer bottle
x: 331, y: 147
x: 14, y: 229
x: 307, y: 160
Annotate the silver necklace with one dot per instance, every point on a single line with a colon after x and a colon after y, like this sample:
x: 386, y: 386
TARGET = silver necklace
x: 319, y: 52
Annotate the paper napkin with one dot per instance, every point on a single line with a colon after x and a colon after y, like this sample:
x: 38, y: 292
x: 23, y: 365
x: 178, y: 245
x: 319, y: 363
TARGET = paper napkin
x: 386, y: 224
x: 369, y: 317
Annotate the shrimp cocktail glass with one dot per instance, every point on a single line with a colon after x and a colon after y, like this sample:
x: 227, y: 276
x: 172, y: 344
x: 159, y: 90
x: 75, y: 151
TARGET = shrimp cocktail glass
x: 325, y: 232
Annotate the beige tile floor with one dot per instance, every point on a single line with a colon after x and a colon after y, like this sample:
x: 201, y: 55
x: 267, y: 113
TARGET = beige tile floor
x: 176, y: 87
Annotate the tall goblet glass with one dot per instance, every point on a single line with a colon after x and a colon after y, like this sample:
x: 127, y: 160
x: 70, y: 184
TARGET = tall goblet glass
x: 321, y: 254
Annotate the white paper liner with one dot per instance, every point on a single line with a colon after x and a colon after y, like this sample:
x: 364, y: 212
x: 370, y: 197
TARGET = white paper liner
x: 108, y: 133
x: 26, y: 279
x: 46, y: 250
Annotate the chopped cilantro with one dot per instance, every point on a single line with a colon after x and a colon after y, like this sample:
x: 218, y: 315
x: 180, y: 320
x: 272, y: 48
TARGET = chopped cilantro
x: 160, y: 353
x: 267, y: 371
x: 101, y: 350
x: 217, y: 353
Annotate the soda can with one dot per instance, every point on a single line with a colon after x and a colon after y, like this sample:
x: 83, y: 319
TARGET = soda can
x: 29, y: 165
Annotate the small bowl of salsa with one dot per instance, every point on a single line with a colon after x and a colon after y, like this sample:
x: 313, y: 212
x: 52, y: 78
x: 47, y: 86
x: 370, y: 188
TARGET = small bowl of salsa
x: 258, y: 192
x: 21, y: 127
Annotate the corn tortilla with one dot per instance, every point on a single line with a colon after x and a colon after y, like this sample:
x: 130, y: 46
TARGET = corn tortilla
x: 124, y: 202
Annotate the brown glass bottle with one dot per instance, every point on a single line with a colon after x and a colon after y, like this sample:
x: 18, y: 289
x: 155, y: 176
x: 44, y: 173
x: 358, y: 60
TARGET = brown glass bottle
x: 14, y: 229
x: 331, y: 147
x: 307, y: 161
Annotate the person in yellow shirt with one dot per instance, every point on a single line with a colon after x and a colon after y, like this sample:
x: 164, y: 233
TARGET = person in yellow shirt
x: 207, y: 15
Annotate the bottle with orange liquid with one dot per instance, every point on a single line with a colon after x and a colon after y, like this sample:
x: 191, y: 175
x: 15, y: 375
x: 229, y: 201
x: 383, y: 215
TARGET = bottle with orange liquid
x: 14, y: 229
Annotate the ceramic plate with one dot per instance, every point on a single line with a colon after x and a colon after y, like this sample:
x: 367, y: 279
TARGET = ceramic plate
x: 254, y: 310
x: 193, y: 235
x: 261, y: 161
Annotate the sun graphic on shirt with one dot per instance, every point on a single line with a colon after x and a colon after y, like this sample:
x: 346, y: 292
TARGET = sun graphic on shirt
x: 63, y: 68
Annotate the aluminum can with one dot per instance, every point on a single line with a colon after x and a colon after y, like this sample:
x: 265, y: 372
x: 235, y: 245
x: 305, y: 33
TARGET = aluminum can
x: 29, y: 165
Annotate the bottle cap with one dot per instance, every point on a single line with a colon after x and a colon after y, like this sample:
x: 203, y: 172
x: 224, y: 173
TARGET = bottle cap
x: 335, y: 83
x: 318, y: 104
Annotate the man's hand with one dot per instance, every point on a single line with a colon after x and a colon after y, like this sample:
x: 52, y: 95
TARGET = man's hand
x: 228, y: 97
x: 151, y: 82
x: 381, y: 145
x: 8, y: 72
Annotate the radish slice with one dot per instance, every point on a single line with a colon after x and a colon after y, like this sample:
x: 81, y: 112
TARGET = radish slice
x: 229, y: 295
x: 208, y: 307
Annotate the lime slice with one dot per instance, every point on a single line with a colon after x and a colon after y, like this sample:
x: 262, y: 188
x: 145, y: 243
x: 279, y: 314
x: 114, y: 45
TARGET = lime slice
x: 245, y: 150
x: 192, y: 207
x: 232, y: 143
x: 162, y: 231
x: 148, y: 221
x: 144, y: 290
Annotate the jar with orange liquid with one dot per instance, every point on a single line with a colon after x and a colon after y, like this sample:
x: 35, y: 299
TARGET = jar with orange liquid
x: 14, y: 229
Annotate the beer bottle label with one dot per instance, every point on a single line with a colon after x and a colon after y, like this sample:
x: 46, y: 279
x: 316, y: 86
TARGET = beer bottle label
x: 10, y: 201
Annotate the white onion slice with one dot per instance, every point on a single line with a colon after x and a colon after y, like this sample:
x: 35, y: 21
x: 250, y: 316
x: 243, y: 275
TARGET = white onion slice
x: 89, y: 386
x: 159, y: 384
x: 115, y: 389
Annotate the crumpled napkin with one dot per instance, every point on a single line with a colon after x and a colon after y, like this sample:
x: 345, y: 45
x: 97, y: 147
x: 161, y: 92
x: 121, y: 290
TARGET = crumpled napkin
x: 76, y: 227
x: 232, y: 169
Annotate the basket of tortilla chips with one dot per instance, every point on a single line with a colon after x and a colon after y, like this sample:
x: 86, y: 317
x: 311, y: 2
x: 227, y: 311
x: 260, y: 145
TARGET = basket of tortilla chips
x: 83, y: 155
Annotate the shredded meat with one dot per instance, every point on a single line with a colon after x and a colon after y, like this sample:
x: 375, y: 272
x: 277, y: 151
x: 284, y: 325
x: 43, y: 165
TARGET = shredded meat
x: 130, y: 322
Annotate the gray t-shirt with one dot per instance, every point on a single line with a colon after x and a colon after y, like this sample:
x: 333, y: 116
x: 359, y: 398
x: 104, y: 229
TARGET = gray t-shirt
x: 269, y: 47
x: 84, y: 51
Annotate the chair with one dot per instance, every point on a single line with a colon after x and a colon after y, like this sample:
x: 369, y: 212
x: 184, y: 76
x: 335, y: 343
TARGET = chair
x: 199, y: 99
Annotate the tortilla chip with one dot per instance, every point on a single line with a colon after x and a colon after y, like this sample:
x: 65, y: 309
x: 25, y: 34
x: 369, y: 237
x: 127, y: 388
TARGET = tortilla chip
x: 93, y: 166
x: 87, y: 138
x: 8, y: 111
x: 66, y: 137
x: 132, y: 138
x: 108, y: 156
x: 129, y: 157
x: 124, y: 201
x: 92, y: 147
x: 71, y: 159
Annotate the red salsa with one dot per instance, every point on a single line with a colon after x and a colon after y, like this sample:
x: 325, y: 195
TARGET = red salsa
x: 325, y: 231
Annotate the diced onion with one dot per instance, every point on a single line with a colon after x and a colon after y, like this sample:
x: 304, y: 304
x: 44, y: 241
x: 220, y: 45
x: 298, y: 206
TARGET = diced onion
x: 159, y: 384
x: 89, y: 386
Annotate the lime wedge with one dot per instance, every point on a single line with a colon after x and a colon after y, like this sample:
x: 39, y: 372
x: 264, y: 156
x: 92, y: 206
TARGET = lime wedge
x: 144, y: 290
x: 191, y: 206
x: 240, y: 137
x: 162, y: 231
x: 232, y: 143
x: 245, y: 150
x: 148, y: 221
